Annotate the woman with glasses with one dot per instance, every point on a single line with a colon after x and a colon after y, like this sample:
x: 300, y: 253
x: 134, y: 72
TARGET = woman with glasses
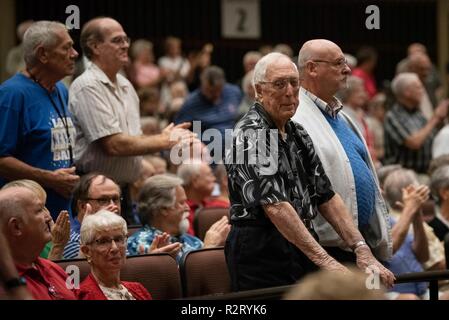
x: 103, y: 243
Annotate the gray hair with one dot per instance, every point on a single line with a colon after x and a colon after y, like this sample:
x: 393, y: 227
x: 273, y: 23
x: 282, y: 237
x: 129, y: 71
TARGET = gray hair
x: 251, y: 55
x: 41, y: 33
x: 213, y: 75
x: 304, y: 55
x: 157, y: 193
x: 261, y: 67
x: 351, y: 84
x: 395, y: 182
x: 439, y: 180
x: 402, y: 81
x: 187, y: 171
x: 103, y: 220
x: 138, y: 46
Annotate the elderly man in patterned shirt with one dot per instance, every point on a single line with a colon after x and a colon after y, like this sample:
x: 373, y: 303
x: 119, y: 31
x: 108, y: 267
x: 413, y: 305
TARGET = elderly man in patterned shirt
x: 275, y: 196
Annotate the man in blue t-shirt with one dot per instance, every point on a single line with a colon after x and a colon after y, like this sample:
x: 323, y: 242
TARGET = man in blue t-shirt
x: 215, y: 104
x: 36, y: 130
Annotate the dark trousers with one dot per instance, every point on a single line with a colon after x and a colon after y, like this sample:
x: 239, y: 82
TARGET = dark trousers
x: 260, y: 257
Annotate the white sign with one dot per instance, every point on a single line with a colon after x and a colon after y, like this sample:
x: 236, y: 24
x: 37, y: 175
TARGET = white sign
x: 240, y: 19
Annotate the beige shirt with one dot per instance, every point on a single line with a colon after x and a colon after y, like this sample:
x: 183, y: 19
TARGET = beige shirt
x: 101, y: 108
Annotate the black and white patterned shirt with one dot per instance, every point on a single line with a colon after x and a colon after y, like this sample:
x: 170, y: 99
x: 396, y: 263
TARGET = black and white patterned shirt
x: 399, y: 125
x: 293, y: 174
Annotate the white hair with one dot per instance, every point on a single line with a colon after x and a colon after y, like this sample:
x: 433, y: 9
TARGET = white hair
x: 251, y: 55
x: 352, y: 83
x: 41, y: 33
x: 260, y: 69
x: 304, y: 55
x: 187, y: 171
x: 103, y: 220
x: 395, y: 182
x: 439, y: 180
x: 402, y: 81
x: 157, y: 193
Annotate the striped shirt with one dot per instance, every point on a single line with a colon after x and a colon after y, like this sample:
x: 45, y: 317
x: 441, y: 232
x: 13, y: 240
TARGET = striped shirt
x: 72, y: 248
x: 399, y: 125
x: 101, y: 108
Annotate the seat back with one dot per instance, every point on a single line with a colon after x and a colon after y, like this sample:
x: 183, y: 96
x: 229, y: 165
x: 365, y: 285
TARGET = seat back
x: 157, y: 272
x: 132, y: 229
x: 204, y: 272
x: 82, y: 265
x: 205, y: 218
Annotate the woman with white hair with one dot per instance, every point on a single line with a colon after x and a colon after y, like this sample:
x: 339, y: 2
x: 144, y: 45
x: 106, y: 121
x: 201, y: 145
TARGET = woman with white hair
x: 439, y: 184
x: 103, y: 242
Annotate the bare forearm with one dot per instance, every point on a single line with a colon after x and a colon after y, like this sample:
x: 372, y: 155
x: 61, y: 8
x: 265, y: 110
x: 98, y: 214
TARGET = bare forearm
x: 335, y: 212
x: 292, y: 228
x: 416, y: 140
x: 420, y: 243
x: 14, y: 169
x: 123, y: 145
x: 400, y: 229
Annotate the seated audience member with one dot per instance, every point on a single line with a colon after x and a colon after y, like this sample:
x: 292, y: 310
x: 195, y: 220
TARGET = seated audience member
x: 439, y: 183
x: 103, y: 242
x: 143, y: 70
x: 249, y: 95
x: 93, y: 193
x: 366, y: 63
x: 198, y: 182
x: 26, y: 224
x: 159, y: 164
x: 60, y: 231
x: 410, y: 248
x: 437, y: 163
x: 375, y: 121
x: 440, y: 146
x: 163, y: 209
x: 221, y: 200
x: 328, y: 285
x: 147, y: 171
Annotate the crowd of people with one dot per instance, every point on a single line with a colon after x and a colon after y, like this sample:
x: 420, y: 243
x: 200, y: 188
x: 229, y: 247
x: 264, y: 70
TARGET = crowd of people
x: 347, y: 178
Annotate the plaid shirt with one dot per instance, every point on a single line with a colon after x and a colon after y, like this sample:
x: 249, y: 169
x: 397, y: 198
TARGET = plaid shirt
x: 331, y: 109
x: 399, y: 125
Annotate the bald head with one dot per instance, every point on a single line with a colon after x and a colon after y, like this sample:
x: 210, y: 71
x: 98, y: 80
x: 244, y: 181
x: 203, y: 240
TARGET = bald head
x: 420, y: 64
x: 315, y: 49
x: 94, y: 31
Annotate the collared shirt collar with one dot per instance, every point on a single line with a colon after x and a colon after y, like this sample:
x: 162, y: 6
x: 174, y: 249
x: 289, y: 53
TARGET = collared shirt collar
x: 104, y: 78
x: 331, y: 109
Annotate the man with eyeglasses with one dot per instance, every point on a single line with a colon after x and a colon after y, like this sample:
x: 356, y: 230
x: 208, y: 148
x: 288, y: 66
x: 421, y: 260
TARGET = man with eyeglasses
x: 342, y: 150
x: 94, y: 193
x: 105, y: 109
x: 276, y: 185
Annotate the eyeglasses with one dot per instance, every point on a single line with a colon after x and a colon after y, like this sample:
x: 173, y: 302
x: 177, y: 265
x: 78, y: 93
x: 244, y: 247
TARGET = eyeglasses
x: 281, y: 84
x: 121, y: 40
x: 340, y: 63
x: 107, y: 242
x: 106, y: 200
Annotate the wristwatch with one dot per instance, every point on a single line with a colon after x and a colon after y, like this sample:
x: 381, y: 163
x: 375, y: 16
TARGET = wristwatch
x: 14, y: 283
x: 358, y: 244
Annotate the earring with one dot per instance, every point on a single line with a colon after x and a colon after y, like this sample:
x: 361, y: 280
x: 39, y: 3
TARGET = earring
x: 89, y: 260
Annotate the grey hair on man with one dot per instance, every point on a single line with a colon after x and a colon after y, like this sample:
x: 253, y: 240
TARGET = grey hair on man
x: 11, y: 204
x: 103, y: 220
x: 40, y: 34
x: 188, y: 171
x: 157, y: 193
x: 352, y: 83
x: 213, y: 76
x: 439, y: 180
x: 401, y: 82
x: 395, y: 182
x: 260, y: 69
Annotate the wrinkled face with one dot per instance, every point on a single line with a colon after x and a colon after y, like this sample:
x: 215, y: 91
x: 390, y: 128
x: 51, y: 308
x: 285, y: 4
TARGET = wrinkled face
x: 36, y: 220
x: 113, y: 51
x: 61, y: 58
x: 103, y: 194
x: 204, y: 183
x: 331, y: 69
x: 358, y: 97
x: 179, y: 212
x: 279, y: 92
x: 108, y: 250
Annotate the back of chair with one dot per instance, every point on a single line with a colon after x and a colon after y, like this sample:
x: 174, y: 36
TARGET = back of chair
x: 205, y: 218
x: 157, y: 272
x: 205, y: 272
x: 132, y: 229
x: 81, y: 264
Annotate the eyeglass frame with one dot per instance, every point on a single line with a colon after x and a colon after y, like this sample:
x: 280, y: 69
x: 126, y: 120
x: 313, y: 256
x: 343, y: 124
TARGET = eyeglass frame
x: 340, y: 63
x: 119, y: 40
x: 284, y: 81
x: 102, y: 201
x: 107, y: 242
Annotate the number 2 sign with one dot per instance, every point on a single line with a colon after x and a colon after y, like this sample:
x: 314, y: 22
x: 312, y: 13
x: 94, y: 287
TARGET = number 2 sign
x: 240, y: 19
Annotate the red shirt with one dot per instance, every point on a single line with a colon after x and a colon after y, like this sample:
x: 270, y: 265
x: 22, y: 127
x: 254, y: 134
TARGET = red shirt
x: 204, y: 204
x: 46, y: 280
x: 89, y: 290
x: 368, y: 81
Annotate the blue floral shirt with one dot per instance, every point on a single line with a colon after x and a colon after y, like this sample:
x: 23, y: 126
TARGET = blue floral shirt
x: 140, y: 242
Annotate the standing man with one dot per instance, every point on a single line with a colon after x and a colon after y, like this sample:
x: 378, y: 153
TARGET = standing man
x: 105, y: 108
x: 339, y: 144
x: 36, y: 130
x: 275, y: 196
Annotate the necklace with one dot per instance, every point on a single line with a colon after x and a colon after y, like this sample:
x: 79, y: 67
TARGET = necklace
x: 62, y: 115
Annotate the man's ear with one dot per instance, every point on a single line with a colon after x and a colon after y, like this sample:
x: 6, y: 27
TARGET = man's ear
x: 310, y: 68
x: 42, y: 55
x: 85, y: 250
x: 15, y: 226
x: 258, y: 92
